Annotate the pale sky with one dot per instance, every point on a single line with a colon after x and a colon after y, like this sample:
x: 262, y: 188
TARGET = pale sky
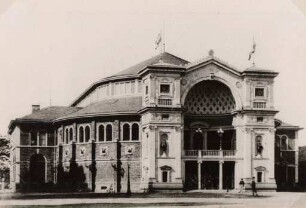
x: 60, y: 47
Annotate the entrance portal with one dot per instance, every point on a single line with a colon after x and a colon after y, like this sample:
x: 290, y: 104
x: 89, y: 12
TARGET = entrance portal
x: 37, y: 169
x: 209, y: 175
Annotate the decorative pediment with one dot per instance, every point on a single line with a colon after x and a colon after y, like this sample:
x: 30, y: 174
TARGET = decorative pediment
x: 260, y: 168
x: 165, y: 167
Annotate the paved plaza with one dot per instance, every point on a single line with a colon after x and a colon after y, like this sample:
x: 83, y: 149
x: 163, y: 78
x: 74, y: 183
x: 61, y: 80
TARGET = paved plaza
x: 194, y: 199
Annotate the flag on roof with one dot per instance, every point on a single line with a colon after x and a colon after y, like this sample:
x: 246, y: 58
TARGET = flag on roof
x: 158, y: 40
x: 253, y: 50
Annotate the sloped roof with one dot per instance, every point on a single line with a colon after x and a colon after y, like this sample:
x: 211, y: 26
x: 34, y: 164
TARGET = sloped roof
x: 44, y: 115
x: 283, y: 125
x: 125, y: 105
x: 164, y: 57
x: 49, y: 113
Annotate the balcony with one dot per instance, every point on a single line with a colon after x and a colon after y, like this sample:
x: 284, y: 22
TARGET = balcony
x: 209, y: 154
x: 165, y: 102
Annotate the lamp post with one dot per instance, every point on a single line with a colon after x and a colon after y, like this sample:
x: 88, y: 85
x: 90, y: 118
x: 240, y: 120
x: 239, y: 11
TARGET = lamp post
x: 220, y: 133
x: 128, y: 192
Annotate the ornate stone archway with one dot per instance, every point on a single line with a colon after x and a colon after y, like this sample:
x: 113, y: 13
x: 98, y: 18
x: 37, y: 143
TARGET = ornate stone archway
x: 209, y: 97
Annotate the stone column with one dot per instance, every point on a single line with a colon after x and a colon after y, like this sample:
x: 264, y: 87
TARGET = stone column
x: 199, y: 174
x: 221, y: 175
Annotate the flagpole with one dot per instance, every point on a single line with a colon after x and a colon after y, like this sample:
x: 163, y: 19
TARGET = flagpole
x: 254, y: 52
x: 163, y: 38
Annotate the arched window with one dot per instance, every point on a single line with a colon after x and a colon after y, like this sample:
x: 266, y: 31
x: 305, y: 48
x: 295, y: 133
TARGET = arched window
x: 135, y: 132
x: 70, y: 134
x: 259, y: 147
x: 284, y: 142
x: 66, y: 136
x: 101, y: 133
x: 81, y: 134
x: 109, y: 132
x: 87, y: 133
x: 126, y: 132
x: 164, y: 145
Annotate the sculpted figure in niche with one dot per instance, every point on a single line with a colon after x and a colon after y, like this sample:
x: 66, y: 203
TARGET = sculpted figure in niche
x: 259, y: 146
x: 163, y: 145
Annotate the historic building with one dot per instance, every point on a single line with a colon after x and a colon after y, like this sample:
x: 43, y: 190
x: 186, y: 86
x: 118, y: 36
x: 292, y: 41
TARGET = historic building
x: 164, y: 123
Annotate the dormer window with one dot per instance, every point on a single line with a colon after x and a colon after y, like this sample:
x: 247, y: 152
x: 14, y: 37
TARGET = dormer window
x: 165, y: 88
x: 259, y: 92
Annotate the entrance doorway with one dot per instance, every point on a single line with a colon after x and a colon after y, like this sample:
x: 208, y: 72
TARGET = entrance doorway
x: 37, y: 169
x: 209, y: 175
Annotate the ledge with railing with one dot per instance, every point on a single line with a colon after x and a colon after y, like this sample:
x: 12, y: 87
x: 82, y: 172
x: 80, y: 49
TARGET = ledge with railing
x: 209, y: 153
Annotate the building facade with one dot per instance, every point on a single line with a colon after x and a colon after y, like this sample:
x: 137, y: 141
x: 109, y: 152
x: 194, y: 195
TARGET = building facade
x: 164, y: 123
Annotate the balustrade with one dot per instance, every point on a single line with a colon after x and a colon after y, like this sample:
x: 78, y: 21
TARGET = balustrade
x: 209, y: 153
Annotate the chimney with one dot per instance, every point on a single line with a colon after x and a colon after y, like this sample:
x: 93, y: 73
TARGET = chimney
x: 35, y: 108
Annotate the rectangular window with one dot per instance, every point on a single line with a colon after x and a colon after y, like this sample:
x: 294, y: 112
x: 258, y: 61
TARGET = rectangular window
x: 165, y: 176
x: 259, y: 92
x: 147, y: 89
x: 112, y: 89
x: 33, y: 139
x: 139, y: 86
x: 42, y: 139
x: 25, y: 138
x: 165, y: 88
x: 259, y: 177
x: 128, y: 87
x: 51, y: 139
x: 165, y: 116
x: 132, y: 87
x: 259, y: 119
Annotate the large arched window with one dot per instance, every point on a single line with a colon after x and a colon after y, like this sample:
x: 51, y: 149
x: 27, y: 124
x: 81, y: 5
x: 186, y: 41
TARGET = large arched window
x: 81, y: 134
x: 126, y: 132
x: 101, y: 133
x: 70, y: 134
x: 135, y: 132
x: 109, y: 132
x: 66, y: 136
x: 87, y: 133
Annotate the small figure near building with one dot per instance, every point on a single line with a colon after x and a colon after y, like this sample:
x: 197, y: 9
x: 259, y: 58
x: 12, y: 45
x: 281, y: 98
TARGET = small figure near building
x: 241, y: 184
x: 254, y: 187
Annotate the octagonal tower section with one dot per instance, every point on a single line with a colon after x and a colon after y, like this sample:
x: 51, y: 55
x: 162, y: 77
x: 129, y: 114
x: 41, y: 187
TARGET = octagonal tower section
x: 258, y: 129
x: 162, y: 125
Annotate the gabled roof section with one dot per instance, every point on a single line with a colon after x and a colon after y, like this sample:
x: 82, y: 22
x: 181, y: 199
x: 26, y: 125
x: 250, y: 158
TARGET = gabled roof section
x: 115, y: 106
x: 212, y: 59
x: 163, y: 57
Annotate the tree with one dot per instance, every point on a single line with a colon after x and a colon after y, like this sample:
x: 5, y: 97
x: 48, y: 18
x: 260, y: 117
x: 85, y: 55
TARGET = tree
x: 4, y: 157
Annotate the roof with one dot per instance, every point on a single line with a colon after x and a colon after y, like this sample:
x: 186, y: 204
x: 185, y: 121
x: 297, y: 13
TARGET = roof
x: 163, y: 57
x: 285, y: 126
x: 125, y: 105
x: 163, y: 60
x: 44, y: 115
x: 212, y: 58
x: 49, y: 113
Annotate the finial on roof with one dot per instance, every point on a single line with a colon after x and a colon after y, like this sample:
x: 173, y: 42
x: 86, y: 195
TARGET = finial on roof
x: 211, y: 52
